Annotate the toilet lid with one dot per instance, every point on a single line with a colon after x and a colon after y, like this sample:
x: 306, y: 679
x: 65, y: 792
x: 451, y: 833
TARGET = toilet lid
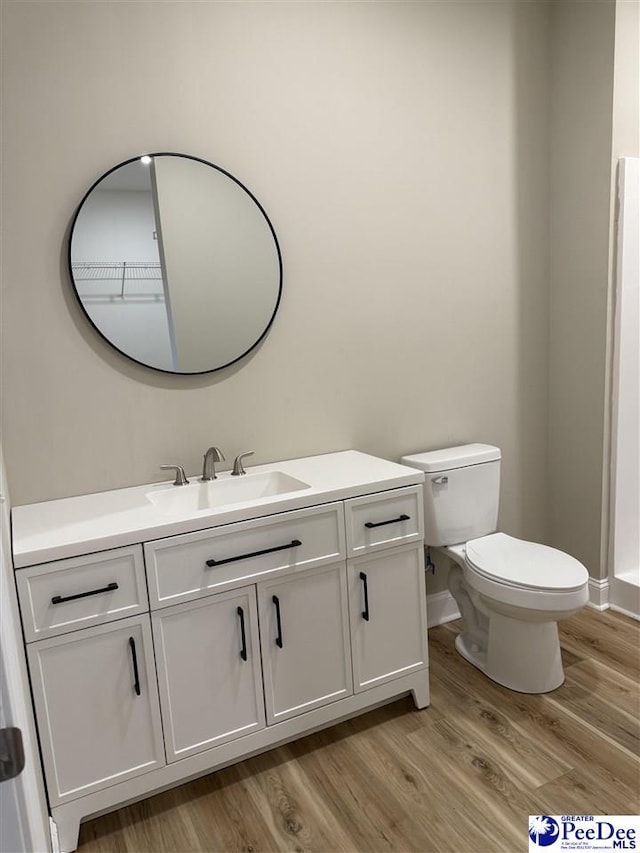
x: 528, y: 565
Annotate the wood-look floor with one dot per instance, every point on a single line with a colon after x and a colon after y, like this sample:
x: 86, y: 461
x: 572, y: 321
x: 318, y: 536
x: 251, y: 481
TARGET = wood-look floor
x: 462, y: 775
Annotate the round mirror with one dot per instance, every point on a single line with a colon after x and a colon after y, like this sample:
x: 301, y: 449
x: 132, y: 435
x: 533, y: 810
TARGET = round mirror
x: 175, y: 263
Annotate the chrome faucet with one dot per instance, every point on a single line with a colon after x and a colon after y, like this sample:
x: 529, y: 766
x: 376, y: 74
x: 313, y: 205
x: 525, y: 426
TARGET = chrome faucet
x: 213, y: 455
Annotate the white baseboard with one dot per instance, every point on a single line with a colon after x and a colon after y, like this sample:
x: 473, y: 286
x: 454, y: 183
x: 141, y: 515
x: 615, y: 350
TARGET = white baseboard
x: 630, y: 613
x: 599, y: 593
x: 441, y: 608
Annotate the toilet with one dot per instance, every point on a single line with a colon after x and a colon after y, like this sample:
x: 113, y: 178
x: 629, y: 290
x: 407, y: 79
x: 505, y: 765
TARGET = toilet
x: 510, y: 593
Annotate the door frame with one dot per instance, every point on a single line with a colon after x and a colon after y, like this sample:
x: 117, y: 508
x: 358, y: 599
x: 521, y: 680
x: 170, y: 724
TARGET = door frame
x: 28, y: 787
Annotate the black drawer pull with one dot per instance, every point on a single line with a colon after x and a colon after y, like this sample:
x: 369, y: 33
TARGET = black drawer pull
x: 60, y: 599
x: 276, y: 601
x: 293, y: 544
x: 365, y: 612
x: 402, y: 517
x: 134, y: 658
x: 243, y: 650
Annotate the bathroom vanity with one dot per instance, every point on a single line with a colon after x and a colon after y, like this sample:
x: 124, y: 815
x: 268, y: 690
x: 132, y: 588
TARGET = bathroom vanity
x: 173, y: 630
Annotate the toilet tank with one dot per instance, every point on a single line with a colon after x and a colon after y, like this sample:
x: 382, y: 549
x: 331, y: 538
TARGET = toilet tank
x: 461, y: 492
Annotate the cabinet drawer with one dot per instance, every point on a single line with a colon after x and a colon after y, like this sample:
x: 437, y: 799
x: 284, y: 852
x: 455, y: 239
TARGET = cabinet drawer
x: 384, y: 519
x: 182, y: 568
x: 84, y: 591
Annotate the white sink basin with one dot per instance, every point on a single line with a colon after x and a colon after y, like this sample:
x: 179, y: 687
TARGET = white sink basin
x: 198, y: 496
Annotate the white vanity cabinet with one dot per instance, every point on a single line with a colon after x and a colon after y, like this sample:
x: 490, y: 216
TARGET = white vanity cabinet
x: 179, y: 647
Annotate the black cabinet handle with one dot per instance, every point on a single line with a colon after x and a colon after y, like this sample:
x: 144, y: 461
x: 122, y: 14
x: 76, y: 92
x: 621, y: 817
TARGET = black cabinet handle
x: 365, y: 612
x: 243, y: 651
x: 402, y: 517
x: 276, y: 601
x: 59, y: 599
x: 134, y: 658
x: 293, y: 544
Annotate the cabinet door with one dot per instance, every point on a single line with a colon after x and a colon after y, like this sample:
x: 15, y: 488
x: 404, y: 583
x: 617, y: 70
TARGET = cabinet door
x: 304, y: 634
x: 97, y: 706
x: 209, y: 676
x: 388, y: 614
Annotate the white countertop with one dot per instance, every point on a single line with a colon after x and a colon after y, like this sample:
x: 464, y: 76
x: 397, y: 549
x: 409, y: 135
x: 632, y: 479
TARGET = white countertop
x: 70, y: 527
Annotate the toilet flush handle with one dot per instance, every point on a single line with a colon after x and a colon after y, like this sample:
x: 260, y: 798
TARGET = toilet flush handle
x: 439, y: 481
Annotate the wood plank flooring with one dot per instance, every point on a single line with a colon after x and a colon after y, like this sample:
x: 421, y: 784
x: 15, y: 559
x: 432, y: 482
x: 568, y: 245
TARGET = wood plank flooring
x: 461, y: 776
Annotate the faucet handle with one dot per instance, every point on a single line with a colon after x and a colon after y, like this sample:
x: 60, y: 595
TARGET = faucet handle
x: 181, y: 477
x: 238, y: 467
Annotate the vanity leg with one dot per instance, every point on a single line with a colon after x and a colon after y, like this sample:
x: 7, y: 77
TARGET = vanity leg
x: 68, y: 826
x: 420, y: 693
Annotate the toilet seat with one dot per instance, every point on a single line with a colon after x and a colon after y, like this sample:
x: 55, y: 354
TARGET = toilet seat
x: 524, y: 565
x: 531, y: 577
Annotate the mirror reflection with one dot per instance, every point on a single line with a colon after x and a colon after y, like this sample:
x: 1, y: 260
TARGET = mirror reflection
x: 175, y: 263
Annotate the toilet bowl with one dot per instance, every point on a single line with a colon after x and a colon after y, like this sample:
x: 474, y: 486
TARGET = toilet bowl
x: 522, y: 589
x: 510, y: 592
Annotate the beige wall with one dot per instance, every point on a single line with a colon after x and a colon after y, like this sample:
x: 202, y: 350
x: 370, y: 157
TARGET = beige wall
x: 582, y: 50
x: 400, y: 150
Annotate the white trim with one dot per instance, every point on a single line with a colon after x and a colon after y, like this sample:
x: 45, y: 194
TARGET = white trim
x: 441, y: 608
x: 599, y: 593
x: 624, y: 597
x: 55, y: 841
x: 623, y: 552
x: 30, y: 784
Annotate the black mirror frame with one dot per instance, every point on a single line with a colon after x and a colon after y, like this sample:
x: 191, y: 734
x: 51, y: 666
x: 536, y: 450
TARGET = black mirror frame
x: 242, y: 187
